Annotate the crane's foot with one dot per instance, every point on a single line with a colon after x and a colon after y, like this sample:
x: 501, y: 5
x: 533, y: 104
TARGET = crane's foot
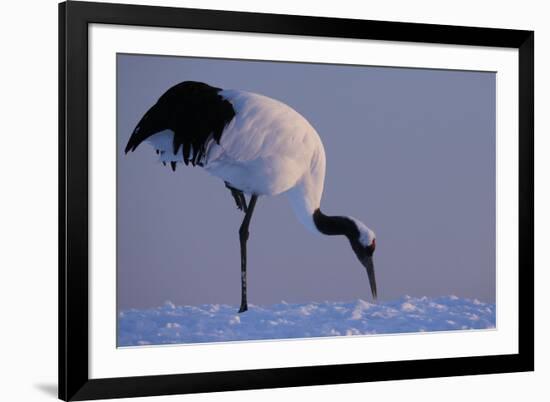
x: 244, y: 307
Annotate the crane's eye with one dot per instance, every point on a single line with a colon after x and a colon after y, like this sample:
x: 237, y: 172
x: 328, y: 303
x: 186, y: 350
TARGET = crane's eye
x: 372, y: 247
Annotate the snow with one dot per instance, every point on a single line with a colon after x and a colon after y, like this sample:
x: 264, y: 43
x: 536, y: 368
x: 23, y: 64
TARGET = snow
x: 171, y: 324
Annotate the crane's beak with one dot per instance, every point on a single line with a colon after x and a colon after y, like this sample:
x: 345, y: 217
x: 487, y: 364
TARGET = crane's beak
x: 369, y: 265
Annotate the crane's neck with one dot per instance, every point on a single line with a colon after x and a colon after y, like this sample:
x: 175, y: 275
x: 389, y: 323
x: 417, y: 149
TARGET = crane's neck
x: 310, y: 215
x: 305, y: 198
x: 335, y: 225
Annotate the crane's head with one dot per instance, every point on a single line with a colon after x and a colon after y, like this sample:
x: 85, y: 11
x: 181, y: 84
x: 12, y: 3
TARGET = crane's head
x: 364, y: 244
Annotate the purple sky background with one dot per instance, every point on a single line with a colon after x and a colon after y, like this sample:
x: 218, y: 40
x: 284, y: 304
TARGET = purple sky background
x: 410, y: 152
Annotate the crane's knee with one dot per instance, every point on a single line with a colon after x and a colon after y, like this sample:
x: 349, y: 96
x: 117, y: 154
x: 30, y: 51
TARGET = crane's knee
x: 243, y: 233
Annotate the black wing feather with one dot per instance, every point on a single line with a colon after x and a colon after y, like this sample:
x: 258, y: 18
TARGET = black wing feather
x: 194, y: 111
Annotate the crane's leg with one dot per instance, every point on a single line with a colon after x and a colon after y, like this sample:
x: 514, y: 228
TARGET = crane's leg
x: 243, y: 237
x: 238, y: 196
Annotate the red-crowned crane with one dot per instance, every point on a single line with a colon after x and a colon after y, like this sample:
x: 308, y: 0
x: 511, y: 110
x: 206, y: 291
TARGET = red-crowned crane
x: 258, y: 146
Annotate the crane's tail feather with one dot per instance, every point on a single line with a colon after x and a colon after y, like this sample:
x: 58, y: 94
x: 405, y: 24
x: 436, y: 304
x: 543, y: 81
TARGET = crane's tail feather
x: 184, y: 120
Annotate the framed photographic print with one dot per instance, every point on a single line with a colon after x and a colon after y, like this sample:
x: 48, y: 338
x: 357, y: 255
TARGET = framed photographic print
x: 257, y: 200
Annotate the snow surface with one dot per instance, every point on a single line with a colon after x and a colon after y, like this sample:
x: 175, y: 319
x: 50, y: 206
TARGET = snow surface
x: 171, y: 324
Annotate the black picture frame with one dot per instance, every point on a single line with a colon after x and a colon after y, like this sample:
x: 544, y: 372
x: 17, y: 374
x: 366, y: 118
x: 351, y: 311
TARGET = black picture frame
x: 74, y: 380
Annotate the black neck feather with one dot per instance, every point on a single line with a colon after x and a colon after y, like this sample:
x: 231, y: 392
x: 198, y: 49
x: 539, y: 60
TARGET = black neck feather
x: 335, y: 225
